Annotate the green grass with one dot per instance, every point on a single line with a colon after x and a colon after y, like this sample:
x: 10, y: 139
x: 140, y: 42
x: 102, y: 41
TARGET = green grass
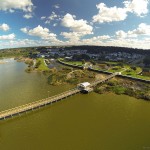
x: 128, y: 72
x: 111, y: 62
x: 79, y: 63
x: 118, y: 89
x: 134, y: 73
x: 42, y: 66
x: 116, y: 69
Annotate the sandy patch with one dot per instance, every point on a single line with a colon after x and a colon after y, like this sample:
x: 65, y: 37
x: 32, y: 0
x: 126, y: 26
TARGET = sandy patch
x: 100, y: 77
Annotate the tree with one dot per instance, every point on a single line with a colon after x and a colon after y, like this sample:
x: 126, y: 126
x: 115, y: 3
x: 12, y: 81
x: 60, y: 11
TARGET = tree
x: 146, y: 60
x: 133, y: 68
x: 31, y: 63
x: 80, y: 57
x: 83, y: 61
x: 38, y: 64
x: 93, y: 62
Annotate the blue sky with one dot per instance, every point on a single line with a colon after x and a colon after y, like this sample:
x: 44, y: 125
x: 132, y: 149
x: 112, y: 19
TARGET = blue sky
x: 75, y: 22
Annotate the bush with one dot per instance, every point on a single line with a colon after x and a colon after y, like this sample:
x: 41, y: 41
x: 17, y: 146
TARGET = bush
x: 131, y: 92
x: 72, y: 81
x: 118, y: 90
x: 133, y: 68
x: 99, y: 90
x: 112, y: 83
x: 38, y: 64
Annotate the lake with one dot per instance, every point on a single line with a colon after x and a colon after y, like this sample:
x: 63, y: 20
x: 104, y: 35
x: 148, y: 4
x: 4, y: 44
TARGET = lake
x: 80, y: 122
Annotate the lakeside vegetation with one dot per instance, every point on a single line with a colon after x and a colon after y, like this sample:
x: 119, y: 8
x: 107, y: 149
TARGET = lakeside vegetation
x: 37, y: 65
x: 121, y: 86
x: 16, y: 52
x: 126, y: 69
x: 41, y: 65
x: 127, y: 87
x: 68, y: 75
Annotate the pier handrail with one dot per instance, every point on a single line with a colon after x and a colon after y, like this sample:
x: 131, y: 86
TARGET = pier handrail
x: 32, y: 103
x: 45, y: 101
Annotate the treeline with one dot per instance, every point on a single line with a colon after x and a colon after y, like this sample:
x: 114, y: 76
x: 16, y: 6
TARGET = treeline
x: 109, y: 49
x: 90, y: 49
x: 146, y: 60
x: 16, y: 52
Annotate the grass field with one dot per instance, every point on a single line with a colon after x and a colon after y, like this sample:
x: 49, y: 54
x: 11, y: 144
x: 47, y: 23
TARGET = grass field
x: 117, y: 68
x: 42, y: 66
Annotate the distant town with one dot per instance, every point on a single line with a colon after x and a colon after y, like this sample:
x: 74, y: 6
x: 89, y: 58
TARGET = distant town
x: 70, y: 54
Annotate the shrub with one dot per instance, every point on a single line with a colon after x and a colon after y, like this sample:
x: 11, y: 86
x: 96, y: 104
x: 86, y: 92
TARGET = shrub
x: 118, y: 90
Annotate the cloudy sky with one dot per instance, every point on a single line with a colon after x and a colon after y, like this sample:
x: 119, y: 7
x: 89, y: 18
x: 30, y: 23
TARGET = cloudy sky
x: 75, y: 22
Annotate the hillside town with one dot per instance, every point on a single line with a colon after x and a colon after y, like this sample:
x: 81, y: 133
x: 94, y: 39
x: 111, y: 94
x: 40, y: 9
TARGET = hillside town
x: 69, y: 54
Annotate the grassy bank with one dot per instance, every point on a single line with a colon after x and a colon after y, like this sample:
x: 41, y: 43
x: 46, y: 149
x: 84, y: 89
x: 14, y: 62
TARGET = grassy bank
x: 127, y: 87
x: 113, y: 67
x: 40, y: 65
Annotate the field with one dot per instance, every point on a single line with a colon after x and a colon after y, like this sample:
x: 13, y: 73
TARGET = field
x: 113, y: 67
x: 41, y: 66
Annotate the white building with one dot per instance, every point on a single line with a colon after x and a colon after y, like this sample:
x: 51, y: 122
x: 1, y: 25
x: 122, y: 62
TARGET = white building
x: 84, y: 87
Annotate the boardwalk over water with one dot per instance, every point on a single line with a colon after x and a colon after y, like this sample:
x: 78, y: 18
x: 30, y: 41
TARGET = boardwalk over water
x: 37, y: 104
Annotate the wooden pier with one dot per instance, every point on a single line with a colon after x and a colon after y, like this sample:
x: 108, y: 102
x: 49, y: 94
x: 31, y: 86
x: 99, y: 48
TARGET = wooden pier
x: 93, y: 84
x: 37, y: 104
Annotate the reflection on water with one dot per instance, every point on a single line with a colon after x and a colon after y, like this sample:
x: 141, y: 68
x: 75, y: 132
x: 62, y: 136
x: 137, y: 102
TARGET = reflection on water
x: 3, y: 61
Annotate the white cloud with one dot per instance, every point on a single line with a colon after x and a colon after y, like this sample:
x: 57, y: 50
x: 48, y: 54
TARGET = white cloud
x: 43, y: 17
x: 138, y: 7
x: 121, y: 34
x: 109, y: 14
x: 103, y: 37
x: 78, y: 28
x: 47, y: 22
x: 28, y: 42
x: 55, y: 24
x: 11, y: 5
x: 133, y: 43
x: 73, y: 36
x: 76, y: 25
x: 98, y: 40
x: 4, y: 27
x: 39, y: 31
x: 57, y: 6
x: 143, y: 29
x: 25, y: 30
x: 7, y: 37
x: 28, y: 16
x: 104, y: 40
x: 52, y: 17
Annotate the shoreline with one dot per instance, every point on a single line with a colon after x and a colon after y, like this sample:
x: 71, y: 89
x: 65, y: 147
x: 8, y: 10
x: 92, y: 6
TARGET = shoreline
x: 122, y: 87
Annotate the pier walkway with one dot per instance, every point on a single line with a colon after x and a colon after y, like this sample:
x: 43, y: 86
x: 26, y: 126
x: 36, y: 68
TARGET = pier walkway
x: 37, y: 104
x: 103, y: 80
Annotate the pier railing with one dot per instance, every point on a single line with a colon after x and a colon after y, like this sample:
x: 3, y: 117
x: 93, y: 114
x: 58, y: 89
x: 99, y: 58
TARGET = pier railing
x: 37, y: 104
x: 103, y: 80
x: 40, y: 103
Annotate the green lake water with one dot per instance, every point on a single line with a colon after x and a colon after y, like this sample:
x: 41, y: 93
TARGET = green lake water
x: 81, y: 122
